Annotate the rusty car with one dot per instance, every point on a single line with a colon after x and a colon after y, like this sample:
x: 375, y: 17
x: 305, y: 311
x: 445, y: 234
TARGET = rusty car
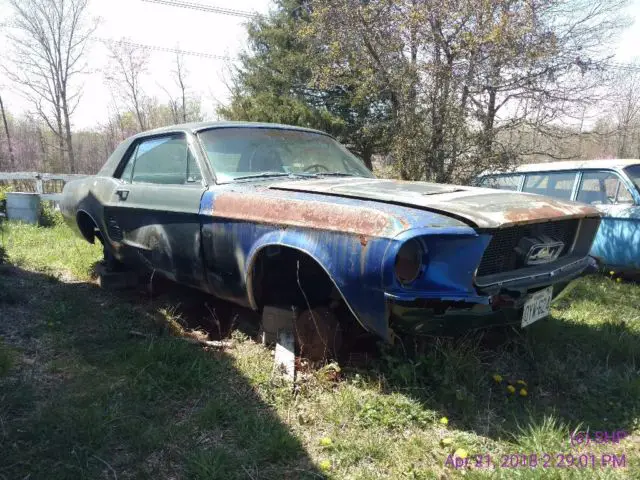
x: 266, y: 214
x: 612, y: 186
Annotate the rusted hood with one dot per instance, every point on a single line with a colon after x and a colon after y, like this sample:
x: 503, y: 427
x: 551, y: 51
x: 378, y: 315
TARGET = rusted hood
x: 482, y: 207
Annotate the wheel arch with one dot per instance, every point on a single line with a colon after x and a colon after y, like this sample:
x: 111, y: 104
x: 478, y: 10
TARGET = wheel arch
x: 260, y: 251
x: 87, y: 225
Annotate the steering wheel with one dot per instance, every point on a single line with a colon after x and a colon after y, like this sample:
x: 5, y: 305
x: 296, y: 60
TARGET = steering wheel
x: 317, y: 167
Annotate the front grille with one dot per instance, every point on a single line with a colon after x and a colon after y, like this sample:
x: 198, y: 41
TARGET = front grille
x: 501, y: 256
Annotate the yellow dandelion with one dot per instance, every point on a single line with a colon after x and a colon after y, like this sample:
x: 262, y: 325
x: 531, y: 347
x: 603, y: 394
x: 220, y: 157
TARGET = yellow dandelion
x: 444, y: 421
x: 511, y: 389
x: 325, y: 465
x: 523, y: 392
x: 612, y: 272
x: 446, y: 441
x: 497, y: 378
x: 618, y: 280
x: 326, y: 442
x: 461, y: 453
x: 521, y: 382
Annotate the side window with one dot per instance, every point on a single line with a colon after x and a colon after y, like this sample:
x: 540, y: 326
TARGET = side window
x: 161, y: 160
x: 536, y: 184
x: 128, y: 169
x: 624, y: 195
x: 554, y: 184
x: 502, y: 182
x: 603, y: 188
x: 193, y: 171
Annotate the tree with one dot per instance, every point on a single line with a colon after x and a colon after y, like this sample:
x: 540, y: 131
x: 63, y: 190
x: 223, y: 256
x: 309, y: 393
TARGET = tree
x: 49, y: 40
x: 273, y: 84
x: 180, y: 79
x: 5, y: 123
x: 184, y: 107
x: 627, y: 112
x: 461, y: 74
x: 129, y: 65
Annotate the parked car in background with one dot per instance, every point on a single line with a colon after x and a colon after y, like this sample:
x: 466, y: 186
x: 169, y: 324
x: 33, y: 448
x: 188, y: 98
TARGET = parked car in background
x: 611, y: 186
x: 263, y: 214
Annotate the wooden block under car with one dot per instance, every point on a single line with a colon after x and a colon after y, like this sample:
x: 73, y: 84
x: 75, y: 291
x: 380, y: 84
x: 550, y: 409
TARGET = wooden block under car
x: 116, y: 280
x: 275, y: 318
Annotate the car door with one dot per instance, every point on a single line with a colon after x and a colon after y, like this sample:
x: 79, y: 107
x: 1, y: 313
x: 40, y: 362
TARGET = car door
x: 154, y: 208
x: 617, y: 243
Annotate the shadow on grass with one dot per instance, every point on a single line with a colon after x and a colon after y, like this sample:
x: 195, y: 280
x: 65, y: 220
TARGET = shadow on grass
x: 88, y: 400
x: 580, y: 367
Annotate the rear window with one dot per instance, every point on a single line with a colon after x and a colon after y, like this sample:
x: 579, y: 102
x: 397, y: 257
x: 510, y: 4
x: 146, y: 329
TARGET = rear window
x: 501, y: 182
x: 554, y: 184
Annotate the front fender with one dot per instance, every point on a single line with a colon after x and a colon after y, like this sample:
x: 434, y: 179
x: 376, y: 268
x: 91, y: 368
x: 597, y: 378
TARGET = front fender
x: 353, y: 263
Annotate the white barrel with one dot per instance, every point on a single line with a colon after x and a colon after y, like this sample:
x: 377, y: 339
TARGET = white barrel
x: 24, y: 207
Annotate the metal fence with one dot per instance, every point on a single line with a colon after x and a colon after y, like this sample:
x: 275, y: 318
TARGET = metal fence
x: 47, y: 185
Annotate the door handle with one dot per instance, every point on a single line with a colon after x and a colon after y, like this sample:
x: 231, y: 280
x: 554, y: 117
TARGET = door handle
x: 122, y: 194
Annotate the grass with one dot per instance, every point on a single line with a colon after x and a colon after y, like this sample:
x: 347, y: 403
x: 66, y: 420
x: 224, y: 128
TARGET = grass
x: 52, y: 250
x: 81, y: 398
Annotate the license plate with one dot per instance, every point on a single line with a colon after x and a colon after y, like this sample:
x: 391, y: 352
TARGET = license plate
x: 537, y: 307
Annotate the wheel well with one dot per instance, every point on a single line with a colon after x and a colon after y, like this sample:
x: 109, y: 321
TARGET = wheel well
x: 87, y: 226
x: 287, y: 276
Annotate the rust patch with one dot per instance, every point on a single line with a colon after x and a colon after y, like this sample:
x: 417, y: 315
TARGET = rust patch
x: 545, y: 211
x: 309, y: 214
x: 363, y: 240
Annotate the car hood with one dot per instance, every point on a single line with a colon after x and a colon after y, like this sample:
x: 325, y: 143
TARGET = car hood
x: 480, y: 207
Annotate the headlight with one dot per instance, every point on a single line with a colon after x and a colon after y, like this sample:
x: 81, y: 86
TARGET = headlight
x: 409, y: 261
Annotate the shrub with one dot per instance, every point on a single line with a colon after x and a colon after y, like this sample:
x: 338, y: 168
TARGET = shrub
x: 49, y: 216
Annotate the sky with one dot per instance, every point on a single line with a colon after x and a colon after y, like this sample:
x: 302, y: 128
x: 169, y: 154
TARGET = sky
x: 161, y: 26
x: 171, y: 27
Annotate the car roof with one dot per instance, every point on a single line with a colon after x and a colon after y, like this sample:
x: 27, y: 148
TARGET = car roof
x: 195, y: 127
x: 609, y: 163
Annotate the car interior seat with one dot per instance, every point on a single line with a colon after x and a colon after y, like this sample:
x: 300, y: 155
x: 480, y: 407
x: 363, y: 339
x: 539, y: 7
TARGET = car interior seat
x: 264, y: 159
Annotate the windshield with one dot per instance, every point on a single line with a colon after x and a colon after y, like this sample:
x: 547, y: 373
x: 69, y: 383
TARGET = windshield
x: 245, y: 152
x: 634, y: 174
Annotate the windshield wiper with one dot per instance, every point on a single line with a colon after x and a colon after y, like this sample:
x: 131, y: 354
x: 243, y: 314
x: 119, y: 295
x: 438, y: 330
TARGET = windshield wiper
x: 336, y: 174
x: 263, y: 175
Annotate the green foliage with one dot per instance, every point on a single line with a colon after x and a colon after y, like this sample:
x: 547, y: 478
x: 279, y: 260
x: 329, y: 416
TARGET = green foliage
x: 275, y: 84
x: 4, y: 189
x: 460, y: 78
x: 49, y: 216
x: 394, y: 412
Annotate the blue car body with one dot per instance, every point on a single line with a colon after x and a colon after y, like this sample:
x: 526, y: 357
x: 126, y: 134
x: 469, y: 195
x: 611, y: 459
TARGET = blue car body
x: 221, y: 236
x: 614, y: 191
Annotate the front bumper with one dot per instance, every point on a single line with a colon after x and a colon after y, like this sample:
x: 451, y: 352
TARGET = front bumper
x: 499, y: 303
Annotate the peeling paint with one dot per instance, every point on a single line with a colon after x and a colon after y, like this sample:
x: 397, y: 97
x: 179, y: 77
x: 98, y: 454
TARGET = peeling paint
x: 480, y: 207
x: 309, y: 214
